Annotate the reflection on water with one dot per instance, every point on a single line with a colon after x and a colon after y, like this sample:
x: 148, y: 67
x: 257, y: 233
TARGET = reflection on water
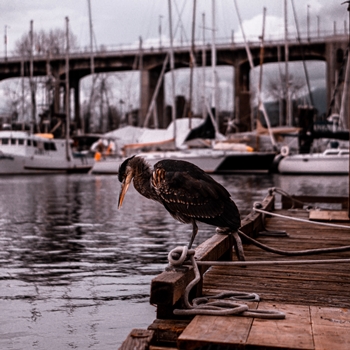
x: 75, y: 271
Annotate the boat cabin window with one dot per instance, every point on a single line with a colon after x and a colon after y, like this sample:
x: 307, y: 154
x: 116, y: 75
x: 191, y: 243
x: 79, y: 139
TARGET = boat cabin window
x: 29, y: 142
x: 21, y: 141
x: 13, y: 141
x: 4, y: 141
x: 330, y: 153
x: 49, y: 146
x: 35, y: 143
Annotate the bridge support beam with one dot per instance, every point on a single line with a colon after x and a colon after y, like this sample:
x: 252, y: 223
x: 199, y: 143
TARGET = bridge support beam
x: 242, y: 96
x: 336, y: 75
x: 75, y: 84
x: 149, y: 79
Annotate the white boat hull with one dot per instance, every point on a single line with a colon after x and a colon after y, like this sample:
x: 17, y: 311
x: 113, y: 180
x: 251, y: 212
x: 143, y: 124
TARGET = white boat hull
x: 320, y: 163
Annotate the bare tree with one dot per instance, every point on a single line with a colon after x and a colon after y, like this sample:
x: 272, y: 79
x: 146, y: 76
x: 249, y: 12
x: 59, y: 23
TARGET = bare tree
x: 17, y: 103
x: 52, y: 41
x: 99, y: 114
x: 276, y: 88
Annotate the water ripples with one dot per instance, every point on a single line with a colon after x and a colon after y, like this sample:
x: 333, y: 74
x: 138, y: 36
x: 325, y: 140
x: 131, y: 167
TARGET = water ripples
x: 75, y: 271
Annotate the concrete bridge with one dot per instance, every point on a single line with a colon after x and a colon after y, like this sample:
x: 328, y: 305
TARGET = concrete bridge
x: 149, y: 62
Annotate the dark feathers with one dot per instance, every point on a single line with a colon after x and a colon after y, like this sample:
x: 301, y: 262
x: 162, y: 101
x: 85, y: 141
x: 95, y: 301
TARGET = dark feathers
x: 186, y: 191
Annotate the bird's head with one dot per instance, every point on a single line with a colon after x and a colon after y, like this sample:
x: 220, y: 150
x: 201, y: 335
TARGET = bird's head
x: 125, y: 175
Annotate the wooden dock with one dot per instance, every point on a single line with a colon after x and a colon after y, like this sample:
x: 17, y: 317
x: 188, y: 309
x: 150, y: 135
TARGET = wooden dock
x: 315, y: 298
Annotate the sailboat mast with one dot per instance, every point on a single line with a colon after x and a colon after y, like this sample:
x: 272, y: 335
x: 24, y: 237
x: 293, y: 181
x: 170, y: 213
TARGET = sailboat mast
x: 172, y: 67
x: 31, y: 82
x: 67, y: 90
x: 204, y: 109
x: 192, y: 63
x: 213, y: 64
x: 286, y: 58
x: 92, y: 63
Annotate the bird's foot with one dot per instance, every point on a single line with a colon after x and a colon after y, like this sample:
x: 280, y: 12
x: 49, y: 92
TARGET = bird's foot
x: 223, y: 230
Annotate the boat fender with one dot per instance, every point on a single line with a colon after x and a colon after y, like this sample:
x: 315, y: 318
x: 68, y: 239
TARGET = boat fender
x: 285, y: 151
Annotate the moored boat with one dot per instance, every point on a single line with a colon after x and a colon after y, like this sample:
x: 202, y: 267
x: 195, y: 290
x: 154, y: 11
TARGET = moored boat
x: 25, y: 153
x: 331, y: 161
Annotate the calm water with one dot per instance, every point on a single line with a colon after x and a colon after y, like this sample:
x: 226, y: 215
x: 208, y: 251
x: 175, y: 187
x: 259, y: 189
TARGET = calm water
x: 75, y: 271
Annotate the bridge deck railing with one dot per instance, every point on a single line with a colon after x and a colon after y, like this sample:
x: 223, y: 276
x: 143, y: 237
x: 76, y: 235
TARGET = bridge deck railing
x: 156, y: 46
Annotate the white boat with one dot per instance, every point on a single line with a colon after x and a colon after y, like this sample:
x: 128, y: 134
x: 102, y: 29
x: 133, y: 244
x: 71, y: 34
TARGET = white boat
x: 332, y: 161
x: 155, y: 145
x: 211, y: 161
x: 24, y: 153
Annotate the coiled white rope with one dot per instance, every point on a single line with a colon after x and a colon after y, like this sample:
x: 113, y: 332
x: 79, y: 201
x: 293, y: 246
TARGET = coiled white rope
x: 222, y: 304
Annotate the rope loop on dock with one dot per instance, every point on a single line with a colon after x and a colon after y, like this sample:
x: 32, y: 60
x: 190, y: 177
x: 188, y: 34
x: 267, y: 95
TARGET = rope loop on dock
x: 178, y: 255
x: 222, y: 304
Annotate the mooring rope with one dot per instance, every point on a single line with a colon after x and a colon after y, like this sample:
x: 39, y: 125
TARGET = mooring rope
x: 228, y: 303
x: 222, y: 304
x: 257, y: 209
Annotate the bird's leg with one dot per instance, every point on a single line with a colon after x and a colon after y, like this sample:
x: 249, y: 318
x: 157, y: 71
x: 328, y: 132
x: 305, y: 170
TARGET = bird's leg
x: 238, y: 246
x: 237, y: 242
x: 194, y: 232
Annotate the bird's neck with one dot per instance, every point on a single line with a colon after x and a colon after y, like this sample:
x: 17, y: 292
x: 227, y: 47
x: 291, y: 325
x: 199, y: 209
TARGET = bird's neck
x: 142, y: 178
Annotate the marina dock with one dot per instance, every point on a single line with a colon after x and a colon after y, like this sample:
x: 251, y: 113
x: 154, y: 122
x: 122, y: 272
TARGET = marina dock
x: 314, y: 297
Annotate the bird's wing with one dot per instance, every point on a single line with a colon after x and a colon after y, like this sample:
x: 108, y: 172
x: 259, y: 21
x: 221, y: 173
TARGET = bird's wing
x: 189, y: 195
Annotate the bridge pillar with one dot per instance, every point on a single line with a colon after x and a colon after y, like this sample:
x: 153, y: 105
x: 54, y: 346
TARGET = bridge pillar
x: 149, y: 79
x: 75, y: 85
x: 242, y: 96
x: 57, y: 95
x: 336, y: 67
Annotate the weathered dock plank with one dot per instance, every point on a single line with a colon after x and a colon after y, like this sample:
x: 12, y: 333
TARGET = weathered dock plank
x: 331, y: 328
x: 167, y: 331
x: 294, y: 332
x: 138, y: 339
x: 218, y: 330
x: 329, y: 215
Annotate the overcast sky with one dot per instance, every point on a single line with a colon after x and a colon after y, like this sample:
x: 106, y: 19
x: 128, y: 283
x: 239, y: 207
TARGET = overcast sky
x: 121, y: 22
x: 118, y: 22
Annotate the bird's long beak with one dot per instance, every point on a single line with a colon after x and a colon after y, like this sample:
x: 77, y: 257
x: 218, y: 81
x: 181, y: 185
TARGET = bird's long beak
x: 125, y: 186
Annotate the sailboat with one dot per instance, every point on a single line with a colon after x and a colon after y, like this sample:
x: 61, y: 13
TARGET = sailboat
x: 213, y: 152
